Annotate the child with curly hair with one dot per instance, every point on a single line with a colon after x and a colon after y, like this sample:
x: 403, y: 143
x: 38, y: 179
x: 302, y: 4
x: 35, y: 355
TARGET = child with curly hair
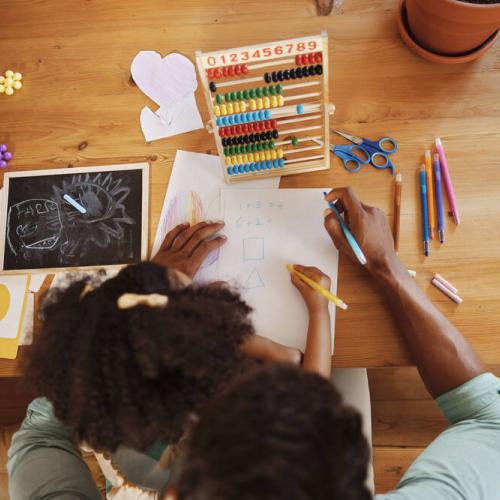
x: 130, y: 361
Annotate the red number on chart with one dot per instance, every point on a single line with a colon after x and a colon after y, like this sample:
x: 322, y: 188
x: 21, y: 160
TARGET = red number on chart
x: 245, y: 56
x: 301, y: 46
x: 266, y: 51
x: 278, y: 50
x: 289, y: 47
x: 311, y: 45
x: 223, y: 59
x: 211, y: 61
x: 256, y: 53
x: 233, y: 57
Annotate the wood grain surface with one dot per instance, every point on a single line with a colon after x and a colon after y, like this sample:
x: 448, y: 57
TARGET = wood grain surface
x: 78, y: 107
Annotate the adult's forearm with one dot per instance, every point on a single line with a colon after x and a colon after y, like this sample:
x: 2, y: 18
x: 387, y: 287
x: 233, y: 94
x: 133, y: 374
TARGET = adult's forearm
x: 443, y: 357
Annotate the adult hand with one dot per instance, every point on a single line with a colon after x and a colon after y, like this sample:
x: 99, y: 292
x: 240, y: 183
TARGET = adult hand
x: 185, y: 247
x: 368, y: 225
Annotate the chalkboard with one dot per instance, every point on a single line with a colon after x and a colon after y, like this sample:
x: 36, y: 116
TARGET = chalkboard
x: 74, y: 217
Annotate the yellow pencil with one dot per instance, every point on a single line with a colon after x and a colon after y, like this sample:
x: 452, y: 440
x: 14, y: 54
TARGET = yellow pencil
x: 316, y: 286
x: 430, y: 194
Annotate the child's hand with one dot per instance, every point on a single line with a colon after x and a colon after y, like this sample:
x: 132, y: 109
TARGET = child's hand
x: 312, y: 298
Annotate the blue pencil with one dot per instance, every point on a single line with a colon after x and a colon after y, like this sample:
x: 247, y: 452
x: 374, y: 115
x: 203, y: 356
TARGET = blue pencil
x: 348, y: 235
x: 425, y: 212
x: 439, y: 197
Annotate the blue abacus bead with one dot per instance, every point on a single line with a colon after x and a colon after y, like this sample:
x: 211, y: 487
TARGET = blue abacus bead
x: 219, y: 121
x: 237, y: 118
x: 276, y: 163
x: 224, y: 120
x: 252, y: 167
x: 300, y: 108
x: 269, y: 164
x: 230, y: 120
x: 257, y: 165
x: 267, y: 114
x: 282, y: 162
x: 241, y: 169
x: 249, y: 116
x: 230, y: 170
x: 247, y: 167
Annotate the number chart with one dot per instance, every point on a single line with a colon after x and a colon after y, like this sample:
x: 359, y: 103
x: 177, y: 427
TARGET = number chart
x: 268, y: 106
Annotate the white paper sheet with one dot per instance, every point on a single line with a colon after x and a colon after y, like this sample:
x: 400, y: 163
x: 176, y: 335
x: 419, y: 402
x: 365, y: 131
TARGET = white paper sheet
x: 12, y: 291
x: 165, y: 122
x: 266, y: 230
x: 193, y: 194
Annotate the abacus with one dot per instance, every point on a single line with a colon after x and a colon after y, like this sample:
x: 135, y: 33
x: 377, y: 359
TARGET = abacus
x: 268, y: 106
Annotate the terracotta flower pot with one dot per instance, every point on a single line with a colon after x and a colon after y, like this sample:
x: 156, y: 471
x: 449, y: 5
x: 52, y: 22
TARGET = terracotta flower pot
x: 452, y: 27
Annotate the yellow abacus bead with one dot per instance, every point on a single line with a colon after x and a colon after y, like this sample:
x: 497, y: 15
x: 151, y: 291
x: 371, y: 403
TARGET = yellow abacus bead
x: 17, y: 76
x: 274, y: 101
x: 230, y: 109
x: 223, y: 110
x: 243, y: 106
x: 17, y: 85
x: 2, y: 88
x: 280, y: 153
x: 9, y: 73
x: 216, y: 110
x: 245, y: 159
x: 236, y: 107
x: 267, y: 102
x: 253, y: 104
x: 250, y: 158
x: 262, y: 156
x: 281, y: 100
x: 274, y: 155
x: 260, y: 104
x: 239, y: 160
x: 267, y: 155
x: 228, y: 160
x: 9, y: 90
x: 234, y: 160
x: 2, y: 79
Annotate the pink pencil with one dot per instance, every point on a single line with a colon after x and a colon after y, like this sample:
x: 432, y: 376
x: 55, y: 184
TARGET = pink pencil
x: 447, y: 181
x: 446, y: 291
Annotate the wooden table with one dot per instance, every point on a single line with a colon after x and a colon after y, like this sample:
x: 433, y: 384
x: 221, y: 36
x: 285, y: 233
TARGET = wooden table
x: 78, y: 107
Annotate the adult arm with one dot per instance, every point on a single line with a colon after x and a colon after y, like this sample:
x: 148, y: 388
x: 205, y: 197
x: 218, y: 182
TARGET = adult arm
x: 443, y: 357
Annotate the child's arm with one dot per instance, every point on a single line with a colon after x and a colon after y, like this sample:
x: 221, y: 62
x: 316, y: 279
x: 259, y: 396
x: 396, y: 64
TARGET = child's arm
x: 317, y: 355
x: 264, y: 349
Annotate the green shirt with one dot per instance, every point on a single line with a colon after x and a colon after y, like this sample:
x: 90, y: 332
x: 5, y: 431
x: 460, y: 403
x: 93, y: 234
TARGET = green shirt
x: 462, y: 463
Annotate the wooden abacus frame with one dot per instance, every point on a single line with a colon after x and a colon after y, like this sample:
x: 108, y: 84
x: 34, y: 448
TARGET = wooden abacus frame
x: 276, y: 56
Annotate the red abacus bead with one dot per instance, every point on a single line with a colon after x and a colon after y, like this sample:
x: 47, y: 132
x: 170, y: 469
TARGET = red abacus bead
x: 318, y: 57
x: 234, y: 130
x: 230, y: 71
x: 224, y: 71
x: 274, y: 124
x: 221, y: 132
x: 217, y: 73
x: 237, y: 70
x: 210, y: 73
x: 310, y: 58
x: 250, y: 127
x: 297, y: 60
x: 245, y: 128
x: 244, y: 69
x: 239, y: 129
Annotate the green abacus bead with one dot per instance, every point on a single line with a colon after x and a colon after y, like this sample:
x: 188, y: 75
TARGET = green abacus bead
x: 258, y: 92
x: 233, y: 150
x: 245, y: 94
x: 226, y: 152
x: 233, y: 96
x: 251, y: 93
x: 271, y: 144
x: 272, y: 89
x: 295, y: 141
x: 227, y: 96
x: 279, y: 88
x: 259, y: 146
x: 219, y: 99
x: 265, y: 146
x: 239, y: 94
x: 265, y: 91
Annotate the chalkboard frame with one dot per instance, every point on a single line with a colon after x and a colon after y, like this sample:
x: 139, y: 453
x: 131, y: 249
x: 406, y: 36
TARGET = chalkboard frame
x: 4, y: 203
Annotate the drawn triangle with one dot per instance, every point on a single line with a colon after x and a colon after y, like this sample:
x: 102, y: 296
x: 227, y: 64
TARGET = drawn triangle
x: 254, y: 280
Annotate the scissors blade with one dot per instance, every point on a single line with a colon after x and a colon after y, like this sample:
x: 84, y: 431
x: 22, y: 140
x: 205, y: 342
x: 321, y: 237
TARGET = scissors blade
x: 353, y: 138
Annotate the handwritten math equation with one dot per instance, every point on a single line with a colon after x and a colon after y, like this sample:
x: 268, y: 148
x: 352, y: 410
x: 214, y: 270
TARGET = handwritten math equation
x: 257, y: 213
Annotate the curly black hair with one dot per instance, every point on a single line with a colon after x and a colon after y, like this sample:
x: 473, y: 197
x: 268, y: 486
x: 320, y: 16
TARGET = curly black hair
x: 280, y: 433
x: 136, y: 375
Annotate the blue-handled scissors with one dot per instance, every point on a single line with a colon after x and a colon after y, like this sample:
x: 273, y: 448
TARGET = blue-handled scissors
x: 365, y: 151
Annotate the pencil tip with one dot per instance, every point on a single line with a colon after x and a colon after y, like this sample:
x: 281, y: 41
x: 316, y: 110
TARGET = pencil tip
x: 438, y: 141
x: 399, y: 177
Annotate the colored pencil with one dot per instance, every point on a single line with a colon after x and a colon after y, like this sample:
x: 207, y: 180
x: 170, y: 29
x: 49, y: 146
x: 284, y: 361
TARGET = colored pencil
x: 430, y: 194
x: 397, y: 210
x: 447, y: 291
x: 425, y: 213
x: 439, y: 198
x: 316, y: 286
x: 447, y: 181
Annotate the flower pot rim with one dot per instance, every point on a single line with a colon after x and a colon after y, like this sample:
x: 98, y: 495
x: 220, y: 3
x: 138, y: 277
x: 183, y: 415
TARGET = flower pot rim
x: 433, y: 56
x: 468, y: 6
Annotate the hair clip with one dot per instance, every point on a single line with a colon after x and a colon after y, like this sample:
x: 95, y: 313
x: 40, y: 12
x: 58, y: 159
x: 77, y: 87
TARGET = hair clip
x: 130, y: 300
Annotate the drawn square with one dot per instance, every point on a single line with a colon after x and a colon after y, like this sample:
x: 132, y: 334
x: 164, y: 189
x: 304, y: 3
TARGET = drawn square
x: 253, y: 249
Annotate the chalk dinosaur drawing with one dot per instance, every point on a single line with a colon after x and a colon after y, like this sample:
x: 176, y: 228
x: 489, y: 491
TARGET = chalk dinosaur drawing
x: 52, y: 224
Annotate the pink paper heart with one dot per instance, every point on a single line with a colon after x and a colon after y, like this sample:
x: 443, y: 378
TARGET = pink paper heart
x: 166, y: 80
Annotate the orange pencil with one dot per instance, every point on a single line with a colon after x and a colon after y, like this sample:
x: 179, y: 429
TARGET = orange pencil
x: 430, y: 193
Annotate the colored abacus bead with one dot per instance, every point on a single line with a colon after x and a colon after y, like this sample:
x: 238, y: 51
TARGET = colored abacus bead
x: 274, y: 76
x: 267, y: 78
x: 266, y: 102
x: 258, y: 92
x: 294, y: 141
x: 260, y: 103
x: 265, y: 91
x: 216, y: 110
x: 318, y: 57
x: 279, y: 75
x: 276, y: 134
x: 292, y: 74
x: 212, y: 86
x: 279, y: 152
x: 286, y: 74
x: 281, y: 100
x: 300, y: 109
x: 318, y: 69
x: 218, y: 99
x: 244, y: 69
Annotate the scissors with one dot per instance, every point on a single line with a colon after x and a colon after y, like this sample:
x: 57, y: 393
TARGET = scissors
x: 374, y: 152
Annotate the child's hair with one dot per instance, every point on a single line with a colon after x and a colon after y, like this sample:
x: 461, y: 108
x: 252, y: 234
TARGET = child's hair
x: 131, y: 376
x: 280, y: 433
